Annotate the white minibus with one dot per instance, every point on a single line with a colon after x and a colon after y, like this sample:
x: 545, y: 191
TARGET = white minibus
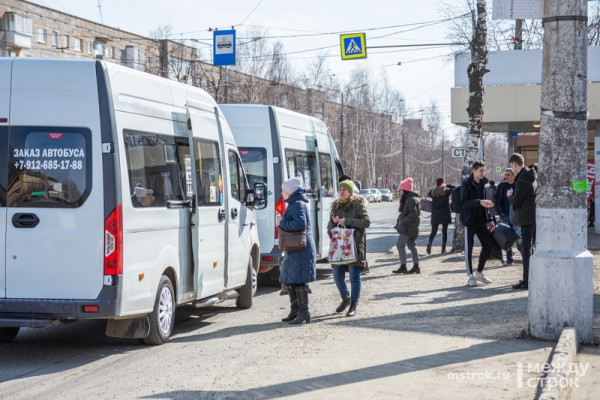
x: 122, y: 196
x: 276, y: 144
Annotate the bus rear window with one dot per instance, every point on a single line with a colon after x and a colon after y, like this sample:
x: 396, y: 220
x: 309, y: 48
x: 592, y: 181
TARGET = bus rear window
x: 255, y: 164
x: 48, y: 168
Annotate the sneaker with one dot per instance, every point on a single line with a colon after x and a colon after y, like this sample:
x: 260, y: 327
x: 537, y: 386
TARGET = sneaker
x: 472, y: 281
x: 481, y: 277
x: 506, y: 263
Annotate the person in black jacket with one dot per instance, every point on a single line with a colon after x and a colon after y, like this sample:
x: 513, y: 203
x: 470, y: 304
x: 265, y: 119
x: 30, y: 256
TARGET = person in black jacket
x: 523, y: 201
x: 440, y: 212
x: 502, y: 205
x: 476, y: 220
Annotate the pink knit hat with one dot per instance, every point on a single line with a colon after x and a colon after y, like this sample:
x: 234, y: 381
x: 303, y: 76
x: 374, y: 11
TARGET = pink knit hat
x: 407, y: 185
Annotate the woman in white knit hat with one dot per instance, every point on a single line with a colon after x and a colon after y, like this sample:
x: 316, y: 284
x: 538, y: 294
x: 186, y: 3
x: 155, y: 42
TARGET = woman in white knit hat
x: 298, y: 267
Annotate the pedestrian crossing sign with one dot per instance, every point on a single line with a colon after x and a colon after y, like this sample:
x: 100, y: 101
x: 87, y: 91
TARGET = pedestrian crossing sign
x: 353, y: 45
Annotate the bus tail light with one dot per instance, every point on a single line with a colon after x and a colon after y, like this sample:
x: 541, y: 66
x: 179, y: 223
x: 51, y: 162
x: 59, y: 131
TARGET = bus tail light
x: 279, y: 208
x: 113, y: 242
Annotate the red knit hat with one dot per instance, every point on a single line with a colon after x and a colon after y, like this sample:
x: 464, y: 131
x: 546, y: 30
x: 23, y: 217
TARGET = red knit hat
x: 407, y: 185
x: 439, y: 181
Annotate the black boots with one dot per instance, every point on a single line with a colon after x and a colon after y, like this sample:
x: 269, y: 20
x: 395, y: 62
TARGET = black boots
x: 303, y: 314
x: 415, y: 270
x: 401, y: 270
x: 443, y: 247
x: 429, y: 248
x: 352, y: 310
x: 343, y: 305
x: 293, y: 304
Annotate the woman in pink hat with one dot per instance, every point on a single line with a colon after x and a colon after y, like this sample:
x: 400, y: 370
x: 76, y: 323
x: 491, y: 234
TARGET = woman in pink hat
x: 408, y: 230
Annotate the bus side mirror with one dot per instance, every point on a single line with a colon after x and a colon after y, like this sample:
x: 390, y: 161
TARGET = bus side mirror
x: 257, y: 197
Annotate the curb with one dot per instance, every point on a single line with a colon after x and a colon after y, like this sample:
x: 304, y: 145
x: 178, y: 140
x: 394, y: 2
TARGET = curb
x: 562, y: 358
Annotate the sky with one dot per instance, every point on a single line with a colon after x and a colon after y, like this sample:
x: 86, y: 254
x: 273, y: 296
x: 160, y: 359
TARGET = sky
x: 307, y: 28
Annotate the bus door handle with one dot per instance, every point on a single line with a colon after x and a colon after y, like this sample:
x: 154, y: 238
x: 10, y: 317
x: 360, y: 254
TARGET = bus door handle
x: 25, y: 220
x: 234, y: 213
x: 222, y: 214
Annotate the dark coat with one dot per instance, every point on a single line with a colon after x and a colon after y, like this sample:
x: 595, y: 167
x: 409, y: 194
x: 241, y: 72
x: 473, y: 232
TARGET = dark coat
x: 357, y: 218
x: 472, y: 213
x: 523, y: 198
x: 298, y: 266
x: 410, y: 215
x: 440, y: 204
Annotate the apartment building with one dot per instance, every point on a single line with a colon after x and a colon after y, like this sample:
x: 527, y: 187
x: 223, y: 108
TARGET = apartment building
x: 32, y: 30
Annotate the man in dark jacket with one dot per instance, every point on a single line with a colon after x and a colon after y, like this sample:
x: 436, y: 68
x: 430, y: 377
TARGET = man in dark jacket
x: 523, y: 202
x: 476, y: 220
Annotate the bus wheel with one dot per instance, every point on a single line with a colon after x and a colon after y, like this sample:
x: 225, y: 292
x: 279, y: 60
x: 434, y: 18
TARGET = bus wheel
x: 162, y: 317
x: 7, y: 335
x: 247, y: 291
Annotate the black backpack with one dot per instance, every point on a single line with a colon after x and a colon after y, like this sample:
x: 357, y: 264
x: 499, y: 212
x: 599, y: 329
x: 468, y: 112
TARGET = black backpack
x: 455, y: 199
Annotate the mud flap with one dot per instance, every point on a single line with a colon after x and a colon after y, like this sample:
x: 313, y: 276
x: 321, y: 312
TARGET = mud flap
x: 135, y: 328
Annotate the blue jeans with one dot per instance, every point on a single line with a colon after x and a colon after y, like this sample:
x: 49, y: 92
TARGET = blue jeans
x: 504, y: 218
x: 339, y: 276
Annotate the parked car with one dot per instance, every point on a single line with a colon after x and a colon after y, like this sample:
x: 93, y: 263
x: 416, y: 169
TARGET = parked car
x: 367, y: 194
x: 387, y: 195
x: 376, y: 195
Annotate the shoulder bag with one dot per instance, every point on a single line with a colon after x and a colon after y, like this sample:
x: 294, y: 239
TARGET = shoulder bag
x: 293, y: 240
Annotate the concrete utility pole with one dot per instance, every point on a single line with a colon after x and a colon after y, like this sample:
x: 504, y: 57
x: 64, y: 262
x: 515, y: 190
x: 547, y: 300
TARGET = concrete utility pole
x: 562, y: 269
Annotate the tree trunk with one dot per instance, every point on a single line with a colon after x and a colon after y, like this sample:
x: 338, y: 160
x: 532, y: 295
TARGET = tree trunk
x: 562, y: 269
x: 475, y: 71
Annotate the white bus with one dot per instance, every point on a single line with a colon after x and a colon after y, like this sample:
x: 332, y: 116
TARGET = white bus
x: 122, y: 196
x: 276, y: 144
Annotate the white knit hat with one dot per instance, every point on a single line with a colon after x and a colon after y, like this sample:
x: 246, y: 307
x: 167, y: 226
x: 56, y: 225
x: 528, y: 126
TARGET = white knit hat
x: 141, y: 192
x: 291, y: 185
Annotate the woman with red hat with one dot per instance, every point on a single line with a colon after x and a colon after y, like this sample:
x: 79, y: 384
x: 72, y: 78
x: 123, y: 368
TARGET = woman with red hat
x: 409, y: 222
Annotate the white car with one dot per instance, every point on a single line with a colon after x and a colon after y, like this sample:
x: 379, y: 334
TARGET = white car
x: 376, y: 195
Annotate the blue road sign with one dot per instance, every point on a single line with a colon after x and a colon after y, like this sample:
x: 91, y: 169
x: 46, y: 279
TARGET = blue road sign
x: 224, y: 48
x: 353, y: 45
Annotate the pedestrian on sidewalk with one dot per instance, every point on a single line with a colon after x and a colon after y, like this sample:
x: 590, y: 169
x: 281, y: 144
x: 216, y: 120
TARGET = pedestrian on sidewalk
x: 523, y: 201
x: 349, y: 210
x: 298, y: 267
x: 502, y: 205
x: 476, y: 220
x: 440, y: 212
x: 409, y: 220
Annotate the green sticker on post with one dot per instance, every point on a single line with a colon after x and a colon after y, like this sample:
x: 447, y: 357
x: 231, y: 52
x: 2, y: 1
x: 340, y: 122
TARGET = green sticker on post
x: 580, y: 186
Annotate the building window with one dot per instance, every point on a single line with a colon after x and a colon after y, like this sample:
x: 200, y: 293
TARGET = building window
x: 55, y: 35
x: 66, y: 42
x: 41, y: 35
x: 18, y: 23
x: 77, y: 44
x: 90, y: 49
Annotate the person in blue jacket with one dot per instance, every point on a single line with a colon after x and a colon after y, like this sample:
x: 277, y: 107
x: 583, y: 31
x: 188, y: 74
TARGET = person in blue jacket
x: 298, y: 267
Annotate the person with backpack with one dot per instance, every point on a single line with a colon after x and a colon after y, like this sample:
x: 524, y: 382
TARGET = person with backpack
x: 440, y: 212
x: 476, y: 220
x: 409, y: 222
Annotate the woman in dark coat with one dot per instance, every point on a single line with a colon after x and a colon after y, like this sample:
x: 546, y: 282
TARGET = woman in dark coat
x: 409, y: 218
x: 349, y: 210
x: 440, y: 212
x: 298, y: 267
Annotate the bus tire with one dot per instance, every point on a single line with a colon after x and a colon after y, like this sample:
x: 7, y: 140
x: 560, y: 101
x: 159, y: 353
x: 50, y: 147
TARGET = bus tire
x: 162, y: 318
x: 7, y: 335
x: 246, y: 292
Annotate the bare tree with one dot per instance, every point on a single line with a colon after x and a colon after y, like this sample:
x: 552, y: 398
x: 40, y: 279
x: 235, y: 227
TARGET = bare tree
x: 476, y: 70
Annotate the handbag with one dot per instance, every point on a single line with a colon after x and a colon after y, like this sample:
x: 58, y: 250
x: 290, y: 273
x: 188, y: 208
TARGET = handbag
x: 292, y: 240
x: 426, y: 204
x: 496, y: 252
x: 504, y: 236
x: 400, y: 227
x: 342, y: 247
